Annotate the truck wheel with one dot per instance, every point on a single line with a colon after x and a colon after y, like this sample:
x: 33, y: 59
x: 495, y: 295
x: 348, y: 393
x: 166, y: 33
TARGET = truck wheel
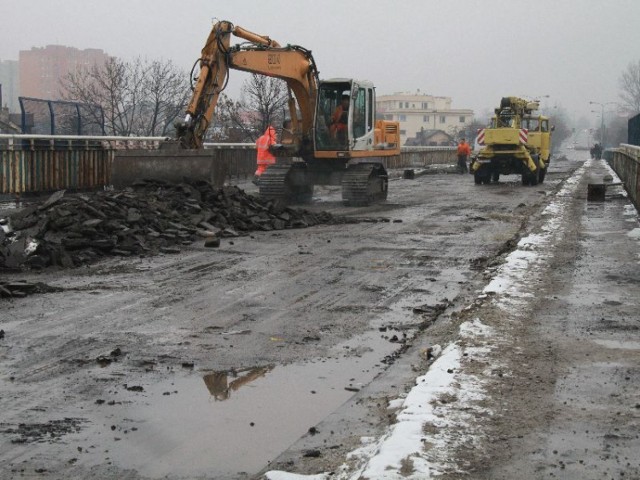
x: 529, y: 178
x: 543, y: 174
x: 495, y: 177
x: 534, y: 176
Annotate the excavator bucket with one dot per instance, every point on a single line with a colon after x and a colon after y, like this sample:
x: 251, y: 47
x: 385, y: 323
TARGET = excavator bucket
x: 171, y: 165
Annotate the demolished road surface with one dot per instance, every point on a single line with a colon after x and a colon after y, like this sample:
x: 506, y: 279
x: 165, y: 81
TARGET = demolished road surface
x: 475, y: 332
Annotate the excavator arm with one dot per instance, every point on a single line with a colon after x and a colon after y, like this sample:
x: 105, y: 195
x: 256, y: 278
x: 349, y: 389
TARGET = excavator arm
x: 260, y: 55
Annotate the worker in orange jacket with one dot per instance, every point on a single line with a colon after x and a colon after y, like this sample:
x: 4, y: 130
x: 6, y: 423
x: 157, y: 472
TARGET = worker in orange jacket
x: 264, y: 156
x: 463, y: 153
x: 339, y: 120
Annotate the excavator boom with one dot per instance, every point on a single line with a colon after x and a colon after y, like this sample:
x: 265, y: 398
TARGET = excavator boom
x: 293, y: 64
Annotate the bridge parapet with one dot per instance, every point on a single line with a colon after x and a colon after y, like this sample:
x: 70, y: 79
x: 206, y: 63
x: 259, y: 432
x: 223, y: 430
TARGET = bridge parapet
x: 44, y: 163
x: 625, y: 161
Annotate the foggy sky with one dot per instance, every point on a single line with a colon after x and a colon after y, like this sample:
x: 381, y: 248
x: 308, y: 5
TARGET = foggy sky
x: 475, y: 51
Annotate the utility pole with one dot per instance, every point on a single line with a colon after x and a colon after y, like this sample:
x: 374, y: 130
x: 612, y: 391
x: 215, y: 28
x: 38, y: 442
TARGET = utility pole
x: 602, y: 125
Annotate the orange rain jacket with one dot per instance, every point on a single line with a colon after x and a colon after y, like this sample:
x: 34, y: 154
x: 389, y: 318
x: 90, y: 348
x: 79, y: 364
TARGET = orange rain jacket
x: 336, y: 124
x: 265, y: 157
x: 463, y: 149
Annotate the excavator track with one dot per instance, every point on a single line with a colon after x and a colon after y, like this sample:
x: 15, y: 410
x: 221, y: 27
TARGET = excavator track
x: 276, y: 183
x: 364, y: 183
x: 273, y: 182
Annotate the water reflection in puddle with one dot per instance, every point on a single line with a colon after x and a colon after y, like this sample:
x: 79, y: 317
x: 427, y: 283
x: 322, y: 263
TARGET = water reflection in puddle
x: 217, y: 424
x: 219, y: 386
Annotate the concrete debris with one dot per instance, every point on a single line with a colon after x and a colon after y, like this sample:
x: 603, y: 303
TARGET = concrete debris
x: 151, y: 217
x: 19, y: 288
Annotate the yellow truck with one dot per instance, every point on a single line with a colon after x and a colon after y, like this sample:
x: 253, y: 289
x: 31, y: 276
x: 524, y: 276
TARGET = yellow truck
x: 517, y: 142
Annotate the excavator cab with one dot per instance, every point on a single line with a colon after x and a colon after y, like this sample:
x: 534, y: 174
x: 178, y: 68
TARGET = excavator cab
x: 345, y: 115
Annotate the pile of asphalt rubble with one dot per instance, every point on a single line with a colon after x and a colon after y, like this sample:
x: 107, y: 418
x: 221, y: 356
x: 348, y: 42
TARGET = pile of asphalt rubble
x: 70, y: 230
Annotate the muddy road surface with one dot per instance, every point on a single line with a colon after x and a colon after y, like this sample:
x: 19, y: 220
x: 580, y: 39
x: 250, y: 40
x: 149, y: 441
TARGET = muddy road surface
x: 276, y: 351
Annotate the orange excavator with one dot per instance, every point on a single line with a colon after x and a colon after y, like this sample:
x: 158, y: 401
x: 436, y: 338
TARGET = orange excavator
x: 312, y: 154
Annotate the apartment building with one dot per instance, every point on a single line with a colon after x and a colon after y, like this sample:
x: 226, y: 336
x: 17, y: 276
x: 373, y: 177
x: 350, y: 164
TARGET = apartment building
x: 418, y: 112
x: 42, y: 68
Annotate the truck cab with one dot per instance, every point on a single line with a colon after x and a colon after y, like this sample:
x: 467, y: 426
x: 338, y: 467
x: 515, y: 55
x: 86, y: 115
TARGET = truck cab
x: 539, y: 135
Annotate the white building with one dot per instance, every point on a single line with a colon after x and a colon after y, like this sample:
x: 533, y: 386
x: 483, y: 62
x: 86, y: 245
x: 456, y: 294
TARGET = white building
x: 419, y: 111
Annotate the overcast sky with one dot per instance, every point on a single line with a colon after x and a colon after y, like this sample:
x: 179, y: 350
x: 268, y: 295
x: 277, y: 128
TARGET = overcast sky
x: 475, y: 51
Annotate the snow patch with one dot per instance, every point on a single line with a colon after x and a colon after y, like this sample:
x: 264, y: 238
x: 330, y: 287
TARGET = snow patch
x: 630, y: 210
x: 278, y: 475
x: 635, y: 233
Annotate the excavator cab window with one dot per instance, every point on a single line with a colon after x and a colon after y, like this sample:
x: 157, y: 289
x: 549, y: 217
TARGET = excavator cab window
x: 360, y: 113
x: 332, y: 116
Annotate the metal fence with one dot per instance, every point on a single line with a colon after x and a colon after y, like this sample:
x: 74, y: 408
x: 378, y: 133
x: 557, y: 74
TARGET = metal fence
x: 57, y: 117
x: 45, y: 163
x: 35, y: 171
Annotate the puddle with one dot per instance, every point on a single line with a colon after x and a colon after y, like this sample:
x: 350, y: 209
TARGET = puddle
x: 219, y: 424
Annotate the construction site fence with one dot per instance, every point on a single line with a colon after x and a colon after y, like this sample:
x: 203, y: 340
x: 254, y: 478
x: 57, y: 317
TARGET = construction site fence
x: 625, y: 161
x: 45, y: 163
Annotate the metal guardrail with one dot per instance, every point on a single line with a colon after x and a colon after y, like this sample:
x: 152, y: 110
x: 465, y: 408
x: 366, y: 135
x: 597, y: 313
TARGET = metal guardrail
x: 625, y: 161
x: 27, y: 141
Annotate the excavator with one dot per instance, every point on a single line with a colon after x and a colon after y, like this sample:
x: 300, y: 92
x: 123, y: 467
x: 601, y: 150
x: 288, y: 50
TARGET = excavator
x: 312, y: 154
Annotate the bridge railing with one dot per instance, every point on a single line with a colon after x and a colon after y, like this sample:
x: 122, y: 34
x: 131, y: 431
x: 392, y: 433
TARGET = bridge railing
x: 43, y: 163
x: 625, y: 161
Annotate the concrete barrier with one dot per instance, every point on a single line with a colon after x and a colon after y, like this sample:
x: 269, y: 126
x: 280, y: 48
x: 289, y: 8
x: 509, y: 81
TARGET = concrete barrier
x: 625, y: 161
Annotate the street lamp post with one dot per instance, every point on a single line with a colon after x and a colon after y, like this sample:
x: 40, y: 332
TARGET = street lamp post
x: 602, y: 126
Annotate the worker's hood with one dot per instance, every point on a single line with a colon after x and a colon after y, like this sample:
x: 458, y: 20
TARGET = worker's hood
x: 271, y: 132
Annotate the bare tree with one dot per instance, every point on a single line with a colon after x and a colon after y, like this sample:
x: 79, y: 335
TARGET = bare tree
x: 617, y: 130
x: 228, y: 123
x: 264, y: 100
x: 630, y: 86
x: 138, y: 98
x: 165, y: 93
